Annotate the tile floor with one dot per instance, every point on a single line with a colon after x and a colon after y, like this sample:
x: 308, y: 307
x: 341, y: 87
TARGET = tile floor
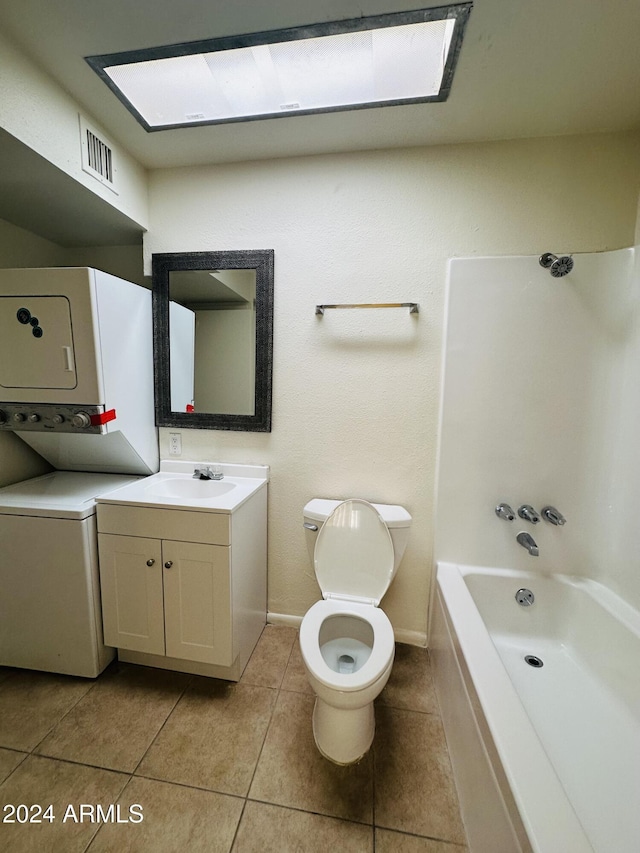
x: 218, y: 766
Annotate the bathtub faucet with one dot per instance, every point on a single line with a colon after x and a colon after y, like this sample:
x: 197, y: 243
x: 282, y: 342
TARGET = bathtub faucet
x: 553, y: 515
x: 527, y: 542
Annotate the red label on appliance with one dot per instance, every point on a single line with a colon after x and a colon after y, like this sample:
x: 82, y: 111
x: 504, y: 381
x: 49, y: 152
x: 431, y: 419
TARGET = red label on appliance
x: 103, y: 417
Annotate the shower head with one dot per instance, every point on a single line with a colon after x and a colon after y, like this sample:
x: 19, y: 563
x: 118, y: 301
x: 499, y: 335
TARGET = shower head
x: 557, y: 266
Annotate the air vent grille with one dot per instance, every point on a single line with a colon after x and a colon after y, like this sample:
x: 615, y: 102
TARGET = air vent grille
x: 97, y: 155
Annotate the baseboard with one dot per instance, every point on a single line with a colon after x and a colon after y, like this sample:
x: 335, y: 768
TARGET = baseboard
x: 283, y: 619
x: 411, y: 638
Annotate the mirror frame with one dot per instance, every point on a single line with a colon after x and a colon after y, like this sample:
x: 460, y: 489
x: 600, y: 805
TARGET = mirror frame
x: 261, y: 260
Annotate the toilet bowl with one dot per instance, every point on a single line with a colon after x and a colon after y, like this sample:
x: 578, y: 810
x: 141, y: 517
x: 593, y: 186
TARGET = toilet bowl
x: 346, y: 640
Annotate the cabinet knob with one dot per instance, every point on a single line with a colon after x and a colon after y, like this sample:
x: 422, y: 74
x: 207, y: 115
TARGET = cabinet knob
x: 150, y: 562
x: 168, y: 564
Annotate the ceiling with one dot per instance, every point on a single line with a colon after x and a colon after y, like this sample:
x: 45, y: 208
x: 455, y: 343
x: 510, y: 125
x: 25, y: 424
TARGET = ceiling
x: 527, y: 68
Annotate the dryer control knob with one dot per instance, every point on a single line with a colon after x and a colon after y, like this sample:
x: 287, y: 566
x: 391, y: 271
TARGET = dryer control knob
x: 81, y: 420
x: 3, y: 417
x: 33, y: 418
x: 58, y: 419
x: 19, y: 417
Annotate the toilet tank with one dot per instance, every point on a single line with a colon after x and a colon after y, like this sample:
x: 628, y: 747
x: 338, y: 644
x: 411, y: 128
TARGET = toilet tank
x: 395, y: 517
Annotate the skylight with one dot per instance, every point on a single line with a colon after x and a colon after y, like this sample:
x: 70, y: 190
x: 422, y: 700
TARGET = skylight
x: 401, y: 58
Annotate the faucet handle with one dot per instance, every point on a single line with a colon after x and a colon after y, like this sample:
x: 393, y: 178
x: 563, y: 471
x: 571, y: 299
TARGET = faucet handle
x: 503, y: 510
x: 529, y: 514
x: 553, y: 515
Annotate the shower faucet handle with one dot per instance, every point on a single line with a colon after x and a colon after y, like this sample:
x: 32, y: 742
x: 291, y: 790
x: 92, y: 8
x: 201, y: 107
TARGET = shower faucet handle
x: 503, y: 510
x: 528, y: 513
x: 553, y: 515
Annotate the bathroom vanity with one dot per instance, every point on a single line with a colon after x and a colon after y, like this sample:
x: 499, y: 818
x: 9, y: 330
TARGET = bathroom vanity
x: 183, y: 568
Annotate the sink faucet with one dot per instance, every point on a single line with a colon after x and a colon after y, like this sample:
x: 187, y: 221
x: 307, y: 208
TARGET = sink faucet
x: 527, y: 542
x: 206, y: 472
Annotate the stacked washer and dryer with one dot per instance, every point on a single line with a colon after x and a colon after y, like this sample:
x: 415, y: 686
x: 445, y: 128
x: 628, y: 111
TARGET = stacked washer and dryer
x: 76, y: 384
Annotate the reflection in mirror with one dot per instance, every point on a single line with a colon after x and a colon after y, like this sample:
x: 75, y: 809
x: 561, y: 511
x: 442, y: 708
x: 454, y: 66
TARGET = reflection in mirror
x: 212, y: 339
x: 213, y: 318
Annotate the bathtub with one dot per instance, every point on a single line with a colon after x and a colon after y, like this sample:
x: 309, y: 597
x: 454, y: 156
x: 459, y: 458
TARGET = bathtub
x: 546, y: 758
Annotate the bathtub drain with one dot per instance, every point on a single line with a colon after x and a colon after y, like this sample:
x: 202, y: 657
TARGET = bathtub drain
x: 534, y: 661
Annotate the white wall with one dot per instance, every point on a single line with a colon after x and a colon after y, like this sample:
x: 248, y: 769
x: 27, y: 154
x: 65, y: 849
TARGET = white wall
x: 620, y: 565
x: 36, y: 111
x: 122, y: 261
x: 356, y: 394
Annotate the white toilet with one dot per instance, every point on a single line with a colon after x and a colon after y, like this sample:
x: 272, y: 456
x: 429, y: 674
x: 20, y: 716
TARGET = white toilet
x: 346, y: 640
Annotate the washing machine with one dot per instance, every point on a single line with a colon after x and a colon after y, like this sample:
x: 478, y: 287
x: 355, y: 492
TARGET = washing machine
x: 76, y: 384
x: 50, y: 613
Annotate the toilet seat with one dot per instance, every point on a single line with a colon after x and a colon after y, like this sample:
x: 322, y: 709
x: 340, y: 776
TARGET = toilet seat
x: 354, y: 554
x: 382, y: 652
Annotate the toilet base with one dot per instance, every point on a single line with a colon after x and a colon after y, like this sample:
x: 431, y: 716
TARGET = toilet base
x: 343, y: 735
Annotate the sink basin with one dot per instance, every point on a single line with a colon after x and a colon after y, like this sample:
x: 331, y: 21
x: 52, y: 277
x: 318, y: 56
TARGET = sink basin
x: 188, y: 488
x: 174, y: 487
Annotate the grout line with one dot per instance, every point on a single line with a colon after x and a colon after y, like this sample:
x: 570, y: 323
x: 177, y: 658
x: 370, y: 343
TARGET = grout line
x: 67, y: 712
x: 25, y: 755
x: 117, y: 799
x: 235, y: 834
x: 166, y: 720
x: 310, y: 811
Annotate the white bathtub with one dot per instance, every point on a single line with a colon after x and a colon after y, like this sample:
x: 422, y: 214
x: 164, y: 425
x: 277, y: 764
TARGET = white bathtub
x: 546, y: 759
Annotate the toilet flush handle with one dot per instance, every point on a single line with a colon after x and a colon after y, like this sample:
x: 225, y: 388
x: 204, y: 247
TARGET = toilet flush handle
x: 308, y: 526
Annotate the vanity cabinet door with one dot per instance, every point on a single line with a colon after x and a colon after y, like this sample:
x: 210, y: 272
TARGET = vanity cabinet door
x: 132, y: 599
x: 197, y: 602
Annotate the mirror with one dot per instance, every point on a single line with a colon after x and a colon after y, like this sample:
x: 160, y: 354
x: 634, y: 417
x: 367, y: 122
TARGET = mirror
x: 213, y: 339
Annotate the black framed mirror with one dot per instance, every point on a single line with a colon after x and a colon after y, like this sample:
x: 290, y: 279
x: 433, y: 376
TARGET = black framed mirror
x: 213, y: 339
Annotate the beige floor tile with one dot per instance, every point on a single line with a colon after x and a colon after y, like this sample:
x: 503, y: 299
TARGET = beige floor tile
x: 45, y: 781
x: 295, y: 677
x: 410, y: 685
x: 174, y: 818
x: 272, y: 829
x: 213, y: 738
x: 31, y: 703
x: 268, y: 662
x: 396, y: 842
x: 291, y: 772
x: 414, y: 784
x: 116, y: 722
x: 9, y: 760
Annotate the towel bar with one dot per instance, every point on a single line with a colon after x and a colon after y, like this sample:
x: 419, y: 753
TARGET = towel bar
x: 412, y: 306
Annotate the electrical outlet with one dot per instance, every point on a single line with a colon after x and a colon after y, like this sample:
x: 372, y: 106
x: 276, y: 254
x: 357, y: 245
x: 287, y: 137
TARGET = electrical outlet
x: 175, y: 444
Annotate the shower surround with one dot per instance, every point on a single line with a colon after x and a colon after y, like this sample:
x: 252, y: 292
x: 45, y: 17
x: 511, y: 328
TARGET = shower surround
x: 541, y: 405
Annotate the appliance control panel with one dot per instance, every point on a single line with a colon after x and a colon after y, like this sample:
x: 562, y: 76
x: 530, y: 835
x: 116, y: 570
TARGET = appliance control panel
x: 49, y: 417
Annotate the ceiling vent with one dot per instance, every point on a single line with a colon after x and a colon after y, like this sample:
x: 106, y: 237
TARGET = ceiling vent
x: 97, y: 155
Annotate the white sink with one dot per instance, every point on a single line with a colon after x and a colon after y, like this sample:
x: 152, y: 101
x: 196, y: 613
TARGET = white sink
x: 175, y: 487
x: 189, y: 488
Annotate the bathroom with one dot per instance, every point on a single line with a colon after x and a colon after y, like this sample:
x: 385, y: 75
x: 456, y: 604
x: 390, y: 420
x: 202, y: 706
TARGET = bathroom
x: 356, y: 395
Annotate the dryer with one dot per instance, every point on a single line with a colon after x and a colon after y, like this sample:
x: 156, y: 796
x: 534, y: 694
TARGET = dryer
x: 76, y: 384
x: 76, y: 368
